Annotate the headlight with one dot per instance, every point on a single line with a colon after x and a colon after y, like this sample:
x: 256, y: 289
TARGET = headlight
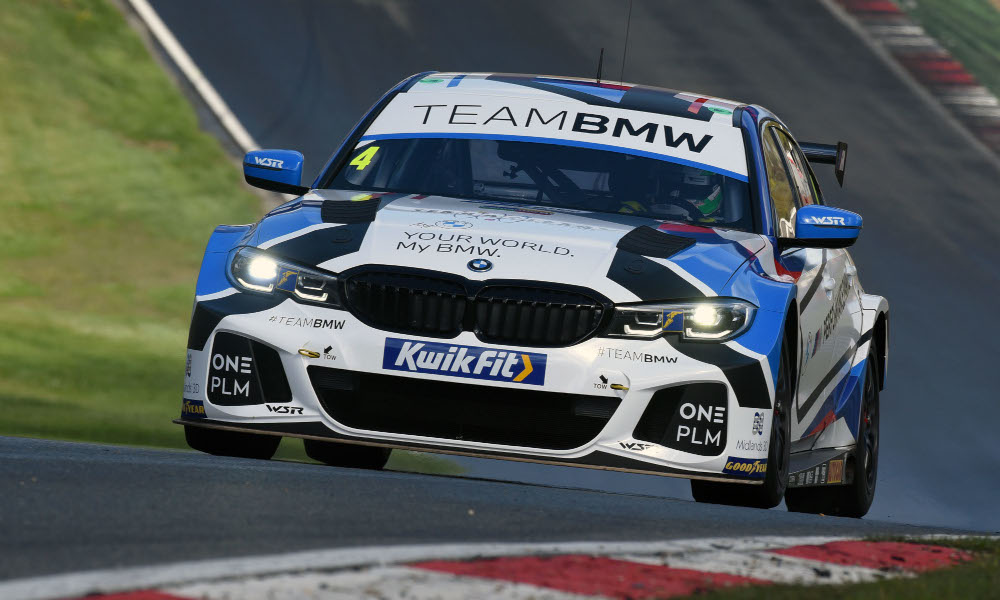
x: 714, y: 320
x: 257, y: 271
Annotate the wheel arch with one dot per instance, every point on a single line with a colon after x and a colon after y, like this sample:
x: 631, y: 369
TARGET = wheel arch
x: 875, y: 327
x: 880, y: 339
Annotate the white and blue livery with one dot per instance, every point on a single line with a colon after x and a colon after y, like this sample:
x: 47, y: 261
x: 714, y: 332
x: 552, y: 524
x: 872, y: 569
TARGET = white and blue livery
x: 555, y: 270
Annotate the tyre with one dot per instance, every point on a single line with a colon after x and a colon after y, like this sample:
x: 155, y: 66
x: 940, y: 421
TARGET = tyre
x: 221, y: 442
x: 348, y: 455
x: 770, y: 493
x: 855, y: 498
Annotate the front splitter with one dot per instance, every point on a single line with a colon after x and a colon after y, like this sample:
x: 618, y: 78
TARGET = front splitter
x: 595, y: 460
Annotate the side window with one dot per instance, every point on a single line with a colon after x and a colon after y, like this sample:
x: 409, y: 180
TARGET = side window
x: 779, y: 184
x: 818, y: 193
x: 797, y: 167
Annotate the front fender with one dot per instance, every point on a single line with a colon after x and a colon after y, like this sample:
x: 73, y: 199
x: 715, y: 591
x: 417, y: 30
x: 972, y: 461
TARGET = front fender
x: 212, y: 276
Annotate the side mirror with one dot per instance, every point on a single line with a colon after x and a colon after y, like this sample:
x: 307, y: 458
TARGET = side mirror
x: 824, y: 227
x: 275, y: 170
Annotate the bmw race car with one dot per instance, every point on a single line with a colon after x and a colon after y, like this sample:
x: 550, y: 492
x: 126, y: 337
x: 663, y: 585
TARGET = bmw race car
x: 554, y: 270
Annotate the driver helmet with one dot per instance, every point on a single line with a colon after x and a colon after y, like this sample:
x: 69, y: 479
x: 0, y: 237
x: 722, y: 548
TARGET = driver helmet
x: 701, y: 188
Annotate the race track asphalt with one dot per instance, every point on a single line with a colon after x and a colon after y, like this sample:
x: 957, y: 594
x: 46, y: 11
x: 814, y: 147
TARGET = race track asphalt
x: 299, y: 73
x: 69, y: 507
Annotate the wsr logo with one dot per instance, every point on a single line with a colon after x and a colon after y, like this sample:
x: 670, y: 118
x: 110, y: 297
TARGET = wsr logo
x: 269, y: 162
x: 827, y: 220
x: 464, y: 361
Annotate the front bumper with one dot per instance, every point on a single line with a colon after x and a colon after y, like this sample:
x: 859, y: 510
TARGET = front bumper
x: 642, y: 406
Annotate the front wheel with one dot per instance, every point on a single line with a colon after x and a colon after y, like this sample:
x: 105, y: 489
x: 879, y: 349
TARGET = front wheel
x: 855, y: 498
x: 221, y: 442
x: 347, y: 455
x: 770, y: 493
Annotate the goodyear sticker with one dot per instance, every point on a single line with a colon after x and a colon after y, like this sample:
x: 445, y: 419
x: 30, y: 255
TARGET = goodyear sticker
x: 286, y: 280
x: 754, y: 468
x: 673, y: 320
x: 192, y: 409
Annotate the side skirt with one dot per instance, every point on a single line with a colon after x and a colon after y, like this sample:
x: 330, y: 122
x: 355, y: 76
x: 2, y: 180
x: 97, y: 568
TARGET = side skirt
x: 825, y: 467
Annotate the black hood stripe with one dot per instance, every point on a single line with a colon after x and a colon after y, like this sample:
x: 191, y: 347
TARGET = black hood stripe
x: 321, y: 245
x: 650, y: 242
x: 649, y: 280
x: 745, y: 373
x: 209, y: 313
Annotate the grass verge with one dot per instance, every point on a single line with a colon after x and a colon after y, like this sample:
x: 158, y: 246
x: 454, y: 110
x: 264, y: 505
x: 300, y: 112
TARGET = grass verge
x: 969, y: 29
x: 109, y: 191
x: 977, y: 579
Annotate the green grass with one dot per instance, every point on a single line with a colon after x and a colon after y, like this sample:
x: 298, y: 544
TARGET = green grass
x: 969, y: 29
x: 109, y: 191
x: 977, y: 579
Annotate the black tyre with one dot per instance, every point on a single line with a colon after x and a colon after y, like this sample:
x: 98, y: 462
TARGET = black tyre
x: 770, y: 493
x: 348, y: 455
x: 855, y: 498
x: 221, y: 442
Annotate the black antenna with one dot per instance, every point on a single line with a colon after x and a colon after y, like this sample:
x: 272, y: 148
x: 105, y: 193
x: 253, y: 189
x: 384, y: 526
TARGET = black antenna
x: 600, y: 65
x: 628, y: 23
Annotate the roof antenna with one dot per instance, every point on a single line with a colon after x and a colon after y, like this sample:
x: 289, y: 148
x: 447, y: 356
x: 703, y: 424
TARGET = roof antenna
x: 628, y: 23
x: 600, y: 65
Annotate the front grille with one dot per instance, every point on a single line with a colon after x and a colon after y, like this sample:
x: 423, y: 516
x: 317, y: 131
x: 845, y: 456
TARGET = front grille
x: 410, y: 303
x: 458, y: 411
x: 527, y: 315
x: 535, y: 317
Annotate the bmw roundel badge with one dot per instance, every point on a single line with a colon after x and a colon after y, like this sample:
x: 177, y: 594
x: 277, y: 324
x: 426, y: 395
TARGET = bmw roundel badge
x: 480, y: 265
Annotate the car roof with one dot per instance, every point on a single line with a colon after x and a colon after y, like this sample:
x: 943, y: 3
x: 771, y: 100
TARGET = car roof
x: 688, y: 105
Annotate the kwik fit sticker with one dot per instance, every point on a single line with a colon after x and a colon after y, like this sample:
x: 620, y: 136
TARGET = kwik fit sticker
x: 473, y: 362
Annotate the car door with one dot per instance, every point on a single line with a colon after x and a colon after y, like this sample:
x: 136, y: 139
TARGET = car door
x: 828, y: 306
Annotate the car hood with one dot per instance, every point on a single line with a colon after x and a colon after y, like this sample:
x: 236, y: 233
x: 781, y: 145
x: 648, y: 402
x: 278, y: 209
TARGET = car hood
x: 625, y: 258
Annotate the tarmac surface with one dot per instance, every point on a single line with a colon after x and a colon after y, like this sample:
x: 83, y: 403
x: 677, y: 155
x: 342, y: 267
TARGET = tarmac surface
x: 70, y: 507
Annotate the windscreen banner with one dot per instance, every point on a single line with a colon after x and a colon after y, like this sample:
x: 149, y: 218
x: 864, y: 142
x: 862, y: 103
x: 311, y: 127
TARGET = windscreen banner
x: 715, y: 145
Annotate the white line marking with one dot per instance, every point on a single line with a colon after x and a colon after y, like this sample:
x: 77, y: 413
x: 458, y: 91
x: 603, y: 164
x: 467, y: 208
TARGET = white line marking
x: 194, y: 75
x: 920, y: 40
x: 378, y: 583
x: 896, y: 30
x: 764, y: 565
x: 176, y: 574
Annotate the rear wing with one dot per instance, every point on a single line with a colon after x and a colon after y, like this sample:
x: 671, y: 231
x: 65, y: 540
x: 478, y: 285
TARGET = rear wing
x: 828, y: 154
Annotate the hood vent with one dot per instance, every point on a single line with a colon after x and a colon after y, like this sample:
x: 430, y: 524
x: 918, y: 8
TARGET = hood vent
x: 347, y: 212
x: 647, y: 241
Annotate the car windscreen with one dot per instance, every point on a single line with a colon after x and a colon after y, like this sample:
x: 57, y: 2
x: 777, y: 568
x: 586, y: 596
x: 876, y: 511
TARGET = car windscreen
x: 554, y: 175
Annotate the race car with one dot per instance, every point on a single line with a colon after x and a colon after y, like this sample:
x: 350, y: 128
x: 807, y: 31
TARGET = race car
x: 555, y: 270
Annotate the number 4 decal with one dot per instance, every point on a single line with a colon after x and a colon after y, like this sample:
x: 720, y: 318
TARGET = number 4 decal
x: 364, y: 159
